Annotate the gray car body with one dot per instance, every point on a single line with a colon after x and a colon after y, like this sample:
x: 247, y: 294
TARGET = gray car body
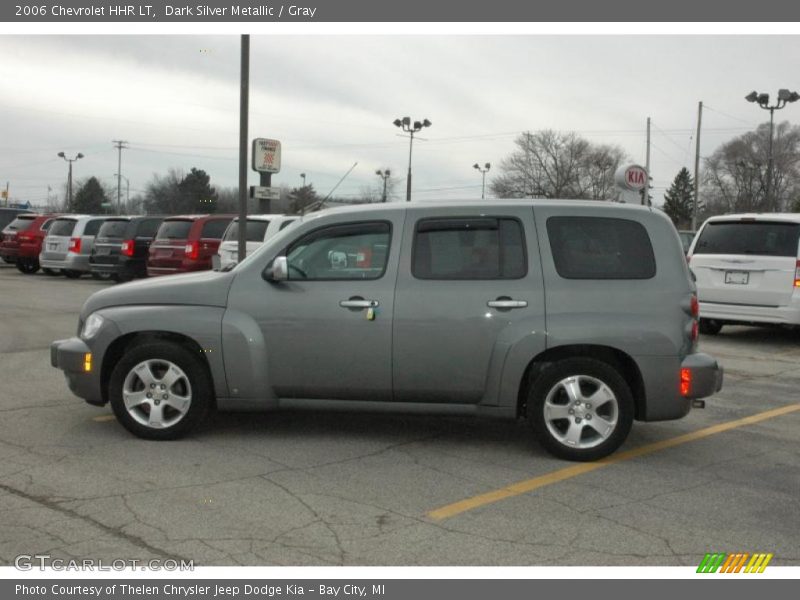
x: 433, y: 346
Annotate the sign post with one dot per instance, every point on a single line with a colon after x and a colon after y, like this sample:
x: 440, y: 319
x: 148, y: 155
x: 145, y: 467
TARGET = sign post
x: 266, y: 161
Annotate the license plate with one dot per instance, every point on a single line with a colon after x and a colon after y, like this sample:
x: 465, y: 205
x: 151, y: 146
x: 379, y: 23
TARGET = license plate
x: 52, y: 246
x: 737, y: 277
x: 104, y: 251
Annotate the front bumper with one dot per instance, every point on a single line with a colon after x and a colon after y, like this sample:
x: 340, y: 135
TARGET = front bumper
x: 704, y: 375
x: 70, y: 356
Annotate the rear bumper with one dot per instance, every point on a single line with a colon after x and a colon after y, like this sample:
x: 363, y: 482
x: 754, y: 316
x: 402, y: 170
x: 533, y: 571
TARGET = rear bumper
x: 122, y: 266
x: 789, y: 314
x: 71, y: 262
x: 186, y: 267
x: 705, y: 375
x: 9, y: 254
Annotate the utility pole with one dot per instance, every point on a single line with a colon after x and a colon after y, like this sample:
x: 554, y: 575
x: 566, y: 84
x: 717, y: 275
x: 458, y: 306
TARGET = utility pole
x: 697, y: 166
x: 6, y: 196
x: 646, y: 191
x: 120, y: 144
x: 244, y: 96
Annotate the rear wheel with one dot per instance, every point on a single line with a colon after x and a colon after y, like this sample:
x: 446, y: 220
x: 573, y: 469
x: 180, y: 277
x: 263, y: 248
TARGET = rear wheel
x: 72, y: 274
x: 51, y: 272
x: 101, y: 276
x: 710, y: 326
x: 580, y: 409
x: 27, y: 266
x: 160, y: 390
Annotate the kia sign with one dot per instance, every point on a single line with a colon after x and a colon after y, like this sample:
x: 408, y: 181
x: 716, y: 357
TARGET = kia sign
x: 631, y: 177
x: 266, y: 155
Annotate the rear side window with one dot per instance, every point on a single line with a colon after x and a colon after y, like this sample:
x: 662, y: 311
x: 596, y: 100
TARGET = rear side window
x: 469, y: 248
x: 215, y: 229
x: 749, y: 237
x: 174, y: 230
x: 114, y: 228
x: 62, y: 227
x: 255, y: 231
x: 93, y: 226
x: 20, y: 223
x: 600, y: 248
x: 147, y: 228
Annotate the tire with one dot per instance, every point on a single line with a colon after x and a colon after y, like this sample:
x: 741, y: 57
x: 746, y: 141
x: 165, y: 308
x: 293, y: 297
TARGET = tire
x: 149, y: 364
x: 710, y: 326
x: 70, y: 274
x: 101, y: 276
x: 28, y: 267
x: 574, y: 436
x: 51, y: 272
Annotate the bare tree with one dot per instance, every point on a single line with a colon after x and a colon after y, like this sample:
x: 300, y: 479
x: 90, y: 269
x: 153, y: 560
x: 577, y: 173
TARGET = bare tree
x: 553, y: 164
x: 734, y: 177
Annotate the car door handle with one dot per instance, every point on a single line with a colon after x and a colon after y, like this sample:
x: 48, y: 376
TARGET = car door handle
x: 358, y: 303
x: 507, y: 303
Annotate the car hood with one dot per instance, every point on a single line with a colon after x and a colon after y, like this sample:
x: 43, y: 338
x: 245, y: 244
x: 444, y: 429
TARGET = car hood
x: 208, y: 288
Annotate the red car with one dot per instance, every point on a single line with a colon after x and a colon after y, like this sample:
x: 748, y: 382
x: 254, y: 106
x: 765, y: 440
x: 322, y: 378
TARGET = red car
x: 186, y: 243
x: 22, y: 241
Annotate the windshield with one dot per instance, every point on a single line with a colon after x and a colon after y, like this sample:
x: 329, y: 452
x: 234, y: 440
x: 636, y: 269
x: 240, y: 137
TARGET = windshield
x: 762, y: 238
x: 279, y: 240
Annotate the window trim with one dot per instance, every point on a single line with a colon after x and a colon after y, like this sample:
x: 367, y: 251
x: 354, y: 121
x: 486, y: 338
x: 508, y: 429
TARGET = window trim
x: 449, y: 220
x: 601, y: 278
x: 348, y: 224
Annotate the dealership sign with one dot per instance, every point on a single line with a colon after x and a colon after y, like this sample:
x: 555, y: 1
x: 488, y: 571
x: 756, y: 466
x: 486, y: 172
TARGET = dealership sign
x: 266, y: 155
x: 631, y: 177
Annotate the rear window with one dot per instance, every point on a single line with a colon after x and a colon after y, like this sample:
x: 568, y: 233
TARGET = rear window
x: 600, y: 248
x: 21, y: 223
x: 255, y: 231
x: 62, y: 227
x: 93, y: 226
x: 174, y: 230
x: 147, y: 228
x: 749, y: 237
x: 215, y: 229
x: 469, y: 248
x: 113, y: 229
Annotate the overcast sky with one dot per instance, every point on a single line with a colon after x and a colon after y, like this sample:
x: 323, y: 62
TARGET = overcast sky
x: 331, y: 101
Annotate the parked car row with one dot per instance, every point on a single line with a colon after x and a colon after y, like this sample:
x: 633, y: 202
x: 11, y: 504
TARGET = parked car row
x: 127, y: 247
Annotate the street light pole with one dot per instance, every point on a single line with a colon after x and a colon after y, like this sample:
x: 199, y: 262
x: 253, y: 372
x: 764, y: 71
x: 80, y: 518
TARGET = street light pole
x: 406, y: 125
x: 784, y: 98
x: 385, y: 176
x: 303, y: 175
x: 482, y: 171
x: 69, y: 176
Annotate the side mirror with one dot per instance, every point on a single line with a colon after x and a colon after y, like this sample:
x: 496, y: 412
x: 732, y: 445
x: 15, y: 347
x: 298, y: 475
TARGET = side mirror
x: 279, y: 271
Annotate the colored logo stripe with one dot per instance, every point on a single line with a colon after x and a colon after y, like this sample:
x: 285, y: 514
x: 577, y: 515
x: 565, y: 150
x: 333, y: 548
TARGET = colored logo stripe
x: 733, y: 563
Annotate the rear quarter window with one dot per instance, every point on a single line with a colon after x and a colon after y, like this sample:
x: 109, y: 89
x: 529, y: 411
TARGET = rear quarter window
x: 759, y: 238
x: 600, y: 248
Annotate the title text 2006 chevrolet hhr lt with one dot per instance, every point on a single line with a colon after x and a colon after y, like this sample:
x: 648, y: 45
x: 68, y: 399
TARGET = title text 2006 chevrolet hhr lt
x: 578, y: 316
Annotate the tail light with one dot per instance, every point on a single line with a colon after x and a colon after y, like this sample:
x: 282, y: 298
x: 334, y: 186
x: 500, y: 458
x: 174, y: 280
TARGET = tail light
x: 797, y: 274
x: 192, y: 250
x: 127, y: 248
x: 25, y: 237
x: 75, y: 245
x: 694, y: 312
x: 686, y: 382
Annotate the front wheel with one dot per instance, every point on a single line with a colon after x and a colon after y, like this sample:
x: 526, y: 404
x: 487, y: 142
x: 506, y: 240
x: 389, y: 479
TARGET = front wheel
x: 160, y: 390
x: 580, y: 409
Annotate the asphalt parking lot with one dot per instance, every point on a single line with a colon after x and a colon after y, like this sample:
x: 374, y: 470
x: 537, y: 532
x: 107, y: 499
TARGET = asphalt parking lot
x: 304, y: 488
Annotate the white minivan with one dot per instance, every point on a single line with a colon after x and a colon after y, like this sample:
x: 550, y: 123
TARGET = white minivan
x: 259, y: 229
x: 748, y: 270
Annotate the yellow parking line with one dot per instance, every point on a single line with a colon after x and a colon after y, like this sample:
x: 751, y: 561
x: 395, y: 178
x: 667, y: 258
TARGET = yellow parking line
x: 104, y: 418
x: 528, y: 485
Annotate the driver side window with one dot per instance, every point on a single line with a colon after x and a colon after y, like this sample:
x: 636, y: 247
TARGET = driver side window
x: 354, y: 251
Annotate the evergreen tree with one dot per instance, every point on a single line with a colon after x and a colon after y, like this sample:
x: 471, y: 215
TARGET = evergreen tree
x: 300, y: 197
x: 89, y: 198
x: 679, y: 199
x: 197, y: 194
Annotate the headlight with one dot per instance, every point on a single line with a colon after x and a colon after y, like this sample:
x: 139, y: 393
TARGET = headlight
x: 92, y: 326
